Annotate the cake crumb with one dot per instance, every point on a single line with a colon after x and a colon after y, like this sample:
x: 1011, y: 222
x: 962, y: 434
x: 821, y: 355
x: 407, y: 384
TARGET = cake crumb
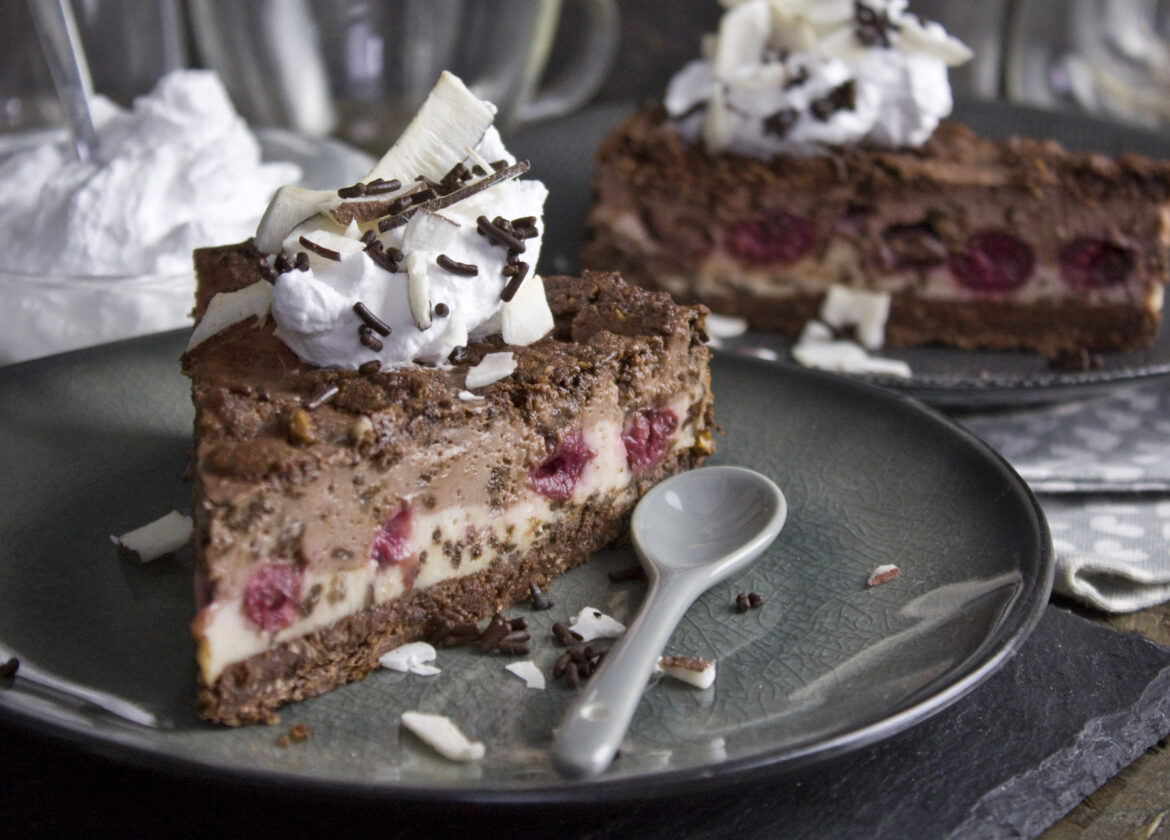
x: 745, y: 601
x: 883, y: 574
x: 300, y: 427
x: 692, y: 670
x: 298, y: 733
x: 361, y: 431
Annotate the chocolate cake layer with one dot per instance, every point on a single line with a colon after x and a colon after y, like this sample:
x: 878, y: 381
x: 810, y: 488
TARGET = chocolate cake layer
x: 340, y: 513
x: 1050, y: 250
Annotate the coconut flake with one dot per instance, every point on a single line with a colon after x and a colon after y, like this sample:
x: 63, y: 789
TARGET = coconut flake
x: 227, y: 308
x: 591, y: 623
x: 692, y: 670
x: 526, y: 317
x: 443, y: 736
x: 725, y: 326
x: 410, y: 659
x: 816, y: 348
x: 865, y: 310
x: 162, y: 536
x: 527, y: 671
x: 493, y: 367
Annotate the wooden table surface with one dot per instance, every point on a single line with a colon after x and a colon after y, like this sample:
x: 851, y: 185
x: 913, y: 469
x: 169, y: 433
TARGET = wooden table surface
x: 1136, y: 802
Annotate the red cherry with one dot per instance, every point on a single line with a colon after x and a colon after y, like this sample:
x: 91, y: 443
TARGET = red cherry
x: 775, y: 236
x: 558, y: 475
x: 646, y: 437
x: 272, y: 594
x: 1087, y: 263
x: 391, y: 543
x: 994, y: 261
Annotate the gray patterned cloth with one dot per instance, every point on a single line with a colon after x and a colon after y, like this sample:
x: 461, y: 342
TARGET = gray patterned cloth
x: 1101, y: 469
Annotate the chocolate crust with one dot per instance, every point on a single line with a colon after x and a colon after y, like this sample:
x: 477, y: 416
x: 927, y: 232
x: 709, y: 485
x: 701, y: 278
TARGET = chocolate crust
x: 663, y: 208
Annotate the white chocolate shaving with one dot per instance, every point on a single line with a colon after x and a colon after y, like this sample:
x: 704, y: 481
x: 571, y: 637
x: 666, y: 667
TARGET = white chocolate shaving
x: 527, y: 671
x: 492, y: 368
x: 155, y: 539
x: 725, y: 326
x: 443, y: 736
x: 227, y: 308
x: 410, y: 659
x: 591, y: 623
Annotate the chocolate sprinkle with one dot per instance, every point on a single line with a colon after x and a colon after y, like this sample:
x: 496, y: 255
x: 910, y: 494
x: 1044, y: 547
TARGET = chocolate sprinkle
x: 442, y: 310
x: 284, y: 263
x: 370, y: 367
x: 367, y: 338
x: 319, y: 250
x: 355, y: 191
x: 564, y: 635
x: 781, y: 122
x: 872, y: 28
x: 401, y: 215
x: 302, y: 261
x: 514, y: 284
x: 539, y: 600
x: 840, y: 98
x: 379, y: 186
x: 371, y: 320
x: 456, y: 267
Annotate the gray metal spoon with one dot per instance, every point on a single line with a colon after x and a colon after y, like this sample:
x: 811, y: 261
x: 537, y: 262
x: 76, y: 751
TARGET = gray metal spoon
x: 61, y: 45
x: 690, y: 532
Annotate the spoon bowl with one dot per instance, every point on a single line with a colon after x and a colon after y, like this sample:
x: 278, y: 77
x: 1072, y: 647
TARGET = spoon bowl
x: 690, y: 532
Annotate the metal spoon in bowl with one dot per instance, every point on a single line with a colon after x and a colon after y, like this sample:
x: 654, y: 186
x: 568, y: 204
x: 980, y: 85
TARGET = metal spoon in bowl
x: 690, y: 532
x: 61, y: 45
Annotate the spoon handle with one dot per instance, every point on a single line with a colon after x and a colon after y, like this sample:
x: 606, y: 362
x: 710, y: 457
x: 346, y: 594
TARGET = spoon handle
x: 595, y: 724
x: 61, y: 45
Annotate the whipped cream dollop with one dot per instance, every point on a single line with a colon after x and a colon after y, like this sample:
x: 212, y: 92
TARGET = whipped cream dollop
x: 435, y: 248
x: 793, y: 76
x: 180, y: 170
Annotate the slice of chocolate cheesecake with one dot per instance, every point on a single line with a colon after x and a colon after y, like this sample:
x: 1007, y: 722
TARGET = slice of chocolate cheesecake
x: 809, y: 149
x: 341, y: 513
x: 400, y: 427
x: 1013, y: 244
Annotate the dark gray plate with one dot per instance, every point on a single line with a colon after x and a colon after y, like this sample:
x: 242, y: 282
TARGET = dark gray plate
x: 561, y: 154
x: 93, y: 443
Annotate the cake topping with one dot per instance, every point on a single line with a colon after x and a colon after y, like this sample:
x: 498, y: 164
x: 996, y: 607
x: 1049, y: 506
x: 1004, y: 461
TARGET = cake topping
x: 403, y: 275
x: 792, y: 76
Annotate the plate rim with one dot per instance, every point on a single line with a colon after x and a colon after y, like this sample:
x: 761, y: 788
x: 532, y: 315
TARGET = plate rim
x: 1027, y: 607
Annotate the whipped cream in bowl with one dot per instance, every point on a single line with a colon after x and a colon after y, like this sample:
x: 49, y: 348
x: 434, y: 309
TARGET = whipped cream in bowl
x: 100, y: 251
x: 796, y: 76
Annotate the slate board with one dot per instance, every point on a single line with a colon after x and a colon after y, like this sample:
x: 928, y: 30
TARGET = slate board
x: 1077, y: 704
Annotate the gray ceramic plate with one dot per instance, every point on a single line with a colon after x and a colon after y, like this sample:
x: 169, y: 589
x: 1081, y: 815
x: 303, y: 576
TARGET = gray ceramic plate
x: 94, y: 443
x: 561, y: 154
